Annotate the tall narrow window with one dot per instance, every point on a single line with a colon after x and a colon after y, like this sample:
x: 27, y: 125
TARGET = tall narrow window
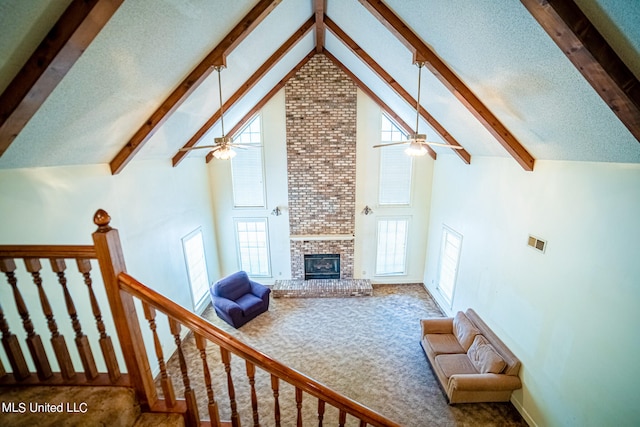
x: 395, y: 167
x: 253, y: 246
x: 247, y: 170
x: 449, y: 258
x: 193, y: 247
x: 392, y: 246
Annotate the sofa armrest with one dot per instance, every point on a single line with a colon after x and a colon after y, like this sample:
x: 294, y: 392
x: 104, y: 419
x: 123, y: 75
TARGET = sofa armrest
x: 437, y: 325
x: 483, y: 382
x: 227, y: 305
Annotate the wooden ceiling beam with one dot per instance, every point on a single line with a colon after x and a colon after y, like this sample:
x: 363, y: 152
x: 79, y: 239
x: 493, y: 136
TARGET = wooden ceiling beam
x: 256, y: 108
x: 319, y: 8
x: 246, y: 86
x: 422, y: 53
x: 371, y: 94
x: 393, y: 84
x: 217, y: 57
x: 51, y: 61
x: 590, y: 53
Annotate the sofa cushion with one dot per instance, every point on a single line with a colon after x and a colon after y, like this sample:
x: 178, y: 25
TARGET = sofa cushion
x: 464, y: 330
x: 444, y: 344
x: 484, y: 357
x: 455, y: 364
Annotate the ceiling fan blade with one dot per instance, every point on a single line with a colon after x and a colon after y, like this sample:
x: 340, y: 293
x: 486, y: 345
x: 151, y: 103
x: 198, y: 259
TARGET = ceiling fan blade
x: 244, y: 145
x: 439, y: 144
x: 198, y: 148
x: 391, y: 143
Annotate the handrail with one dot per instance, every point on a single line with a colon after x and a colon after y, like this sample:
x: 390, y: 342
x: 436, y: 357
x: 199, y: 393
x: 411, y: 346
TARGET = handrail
x: 200, y: 326
x: 48, y: 251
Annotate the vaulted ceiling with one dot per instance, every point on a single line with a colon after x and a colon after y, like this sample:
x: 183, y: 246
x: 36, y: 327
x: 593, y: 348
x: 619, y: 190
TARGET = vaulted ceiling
x: 113, y: 81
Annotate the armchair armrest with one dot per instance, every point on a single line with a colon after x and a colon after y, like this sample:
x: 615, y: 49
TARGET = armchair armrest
x: 484, y: 382
x: 437, y: 325
x: 259, y: 290
x: 227, y: 305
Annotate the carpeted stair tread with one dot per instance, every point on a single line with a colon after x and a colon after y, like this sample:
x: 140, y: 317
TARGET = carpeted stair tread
x: 149, y: 419
x: 81, y: 406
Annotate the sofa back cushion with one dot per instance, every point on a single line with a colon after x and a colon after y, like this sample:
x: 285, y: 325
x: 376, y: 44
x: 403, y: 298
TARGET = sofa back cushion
x: 484, y: 357
x: 513, y: 364
x: 464, y: 330
x: 233, y: 287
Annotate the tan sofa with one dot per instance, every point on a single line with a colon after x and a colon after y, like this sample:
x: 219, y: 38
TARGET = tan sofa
x: 471, y: 363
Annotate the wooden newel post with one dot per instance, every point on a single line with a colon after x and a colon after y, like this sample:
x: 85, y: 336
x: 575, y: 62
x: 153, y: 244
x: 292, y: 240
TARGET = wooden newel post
x: 109, y: 251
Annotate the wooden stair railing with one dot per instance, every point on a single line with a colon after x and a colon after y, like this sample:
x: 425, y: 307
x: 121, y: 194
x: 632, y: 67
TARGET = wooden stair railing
x: 31, y: 256
x: 122, y: 290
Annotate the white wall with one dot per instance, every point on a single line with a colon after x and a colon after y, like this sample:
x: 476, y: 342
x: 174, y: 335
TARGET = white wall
x: 570, y: 314
x: 275, y: 164
x: 152, y: 204
x: 367, y: 186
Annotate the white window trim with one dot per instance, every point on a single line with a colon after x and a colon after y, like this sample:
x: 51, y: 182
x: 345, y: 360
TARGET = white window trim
x: 260, y: 147
x: 410, y: 189
x: 406, y: 244
x: 268, y: 244
x: 448, y: 230
x: 197, y: 300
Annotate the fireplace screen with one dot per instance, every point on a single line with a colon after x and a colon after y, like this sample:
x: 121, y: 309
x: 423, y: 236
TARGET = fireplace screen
x: 322, y: 266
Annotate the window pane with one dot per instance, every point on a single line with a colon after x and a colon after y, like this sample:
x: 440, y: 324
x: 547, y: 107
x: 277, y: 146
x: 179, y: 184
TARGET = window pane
x: 247, y: 168
x: 193, y: 247
x: 253, y: 246
x: 395, y: 167
x: 449, y: 258
x: 391, y: 246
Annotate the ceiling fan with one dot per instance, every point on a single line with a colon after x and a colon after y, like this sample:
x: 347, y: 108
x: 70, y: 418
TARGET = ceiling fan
x: 223, y: 146
x: 418, y: 141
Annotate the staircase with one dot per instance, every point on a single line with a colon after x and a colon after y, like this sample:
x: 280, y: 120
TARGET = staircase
x: 131, y: 398
x: 78, y: 406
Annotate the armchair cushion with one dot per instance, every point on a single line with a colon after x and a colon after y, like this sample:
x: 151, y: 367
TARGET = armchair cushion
x: 234, y: 286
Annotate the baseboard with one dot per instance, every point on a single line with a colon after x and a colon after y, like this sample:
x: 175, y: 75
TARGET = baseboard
x: 433, y: 297
x: 518, y: 405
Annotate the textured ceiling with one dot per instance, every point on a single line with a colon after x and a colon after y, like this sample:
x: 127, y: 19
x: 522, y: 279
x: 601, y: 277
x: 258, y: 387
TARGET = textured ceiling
x: 149, y: 46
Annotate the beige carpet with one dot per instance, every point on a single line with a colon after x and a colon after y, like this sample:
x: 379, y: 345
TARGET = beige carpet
x: 366, y: 348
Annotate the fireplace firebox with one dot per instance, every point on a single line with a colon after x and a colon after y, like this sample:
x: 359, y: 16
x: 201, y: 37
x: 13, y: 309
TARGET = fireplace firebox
x: 322, y: 266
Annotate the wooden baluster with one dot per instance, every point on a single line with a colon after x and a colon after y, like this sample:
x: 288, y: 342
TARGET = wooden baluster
x: 363, y: 423
x: 165, y: 379
x: 193, y: 419
x: 276, y: 398
x: 3, y: 372
x: 82, y: 342
x: 321, y: 405
x: 214, y: 415
x: 34, y: 342
x: 342, y: 418
x: 109, y: 354
x: 57, y: 340
x: 13, y: 351
x: 299, y: 406
x: 251, y: 373
x: 226, y: 360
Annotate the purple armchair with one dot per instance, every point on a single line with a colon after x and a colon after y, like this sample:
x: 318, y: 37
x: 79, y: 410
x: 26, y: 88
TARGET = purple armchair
x: 238, y: 299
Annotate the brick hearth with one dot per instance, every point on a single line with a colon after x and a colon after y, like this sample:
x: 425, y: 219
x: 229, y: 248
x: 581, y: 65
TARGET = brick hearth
x: 328, y: 288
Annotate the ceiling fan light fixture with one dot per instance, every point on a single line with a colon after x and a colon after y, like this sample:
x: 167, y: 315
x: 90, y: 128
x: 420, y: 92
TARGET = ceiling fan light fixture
x: 415, y: 149
x: 224, y: 153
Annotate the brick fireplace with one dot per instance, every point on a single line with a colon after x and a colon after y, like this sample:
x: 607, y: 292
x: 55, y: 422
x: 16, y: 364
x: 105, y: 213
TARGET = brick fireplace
x: 321, y: 163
